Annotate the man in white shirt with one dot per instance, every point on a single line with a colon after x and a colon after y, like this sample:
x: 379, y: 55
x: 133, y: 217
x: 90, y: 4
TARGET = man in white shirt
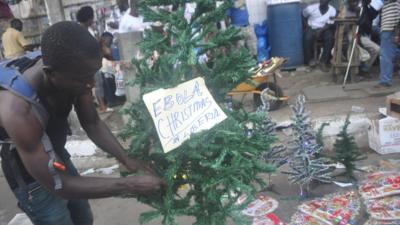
x: 320, y: 26
x: 131, y: 21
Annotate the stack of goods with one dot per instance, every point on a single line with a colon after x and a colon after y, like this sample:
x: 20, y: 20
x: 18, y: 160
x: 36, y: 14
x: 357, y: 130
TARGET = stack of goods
x: 380, y: 222
x: 381, y: 194
x: 268, y: 219
x: 261, y: 210
x: 380, y: 184
x: 337, y: 208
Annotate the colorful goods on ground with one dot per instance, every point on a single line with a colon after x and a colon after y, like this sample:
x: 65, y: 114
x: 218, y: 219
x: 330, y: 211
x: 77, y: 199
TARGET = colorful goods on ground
x: 337, y: 208
x: 380, y: 184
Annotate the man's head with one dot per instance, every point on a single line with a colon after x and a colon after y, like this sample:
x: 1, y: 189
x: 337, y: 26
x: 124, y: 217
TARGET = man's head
x: 107, y: 39
x: 85, y: 16
x: 134, y: 7
x: 353, y: 5
x: 324, y: 2
x: 123, y: 5
x: 71, y: 57
x: 16, y: 24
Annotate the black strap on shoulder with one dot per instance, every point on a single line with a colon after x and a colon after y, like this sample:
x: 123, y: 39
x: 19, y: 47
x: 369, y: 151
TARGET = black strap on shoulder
x: 13, y: 81
x: 6, y: 147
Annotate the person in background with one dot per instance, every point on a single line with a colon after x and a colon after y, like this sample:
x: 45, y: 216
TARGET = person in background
x: 131, y: 20
x: 110, y: 64
x: 376, y: 29
x: 397, y: 35
x: 368, y: 49
x: 112, y: 23
x: 238, y: 16
x: 352, y: 11
x: 14, y: 42
x: 320, y: 26
x: 389, y: 18
x: 369, y: 13
x: 85, y: 17
x: 5, y: 17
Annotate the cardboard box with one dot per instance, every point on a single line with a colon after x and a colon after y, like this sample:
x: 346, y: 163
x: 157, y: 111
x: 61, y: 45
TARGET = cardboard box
x: 393, y: 105
x: 384, y: 135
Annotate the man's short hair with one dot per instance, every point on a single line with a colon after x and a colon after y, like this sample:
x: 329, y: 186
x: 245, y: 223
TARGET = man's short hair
x: 123, y: 5
x: 66, y: 44
x: 85, y: 14
x: 14, y: 23
x: 107, y: 35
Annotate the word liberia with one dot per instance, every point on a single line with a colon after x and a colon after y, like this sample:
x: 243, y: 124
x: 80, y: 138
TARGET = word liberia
x: 181, y: 111
x: 196, y: 111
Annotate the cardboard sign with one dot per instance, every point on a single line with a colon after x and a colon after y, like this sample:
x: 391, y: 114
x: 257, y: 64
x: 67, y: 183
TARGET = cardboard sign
x: 181, y: 111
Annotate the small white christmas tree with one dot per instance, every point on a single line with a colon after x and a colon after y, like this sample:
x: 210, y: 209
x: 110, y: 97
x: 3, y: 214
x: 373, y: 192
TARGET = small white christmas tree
x: 305, y: 165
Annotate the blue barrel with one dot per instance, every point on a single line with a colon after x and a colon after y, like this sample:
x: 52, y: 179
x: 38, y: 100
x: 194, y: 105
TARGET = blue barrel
x: 285, y: 33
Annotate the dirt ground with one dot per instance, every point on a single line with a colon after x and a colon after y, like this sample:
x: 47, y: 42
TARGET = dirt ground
x: 115, y: 211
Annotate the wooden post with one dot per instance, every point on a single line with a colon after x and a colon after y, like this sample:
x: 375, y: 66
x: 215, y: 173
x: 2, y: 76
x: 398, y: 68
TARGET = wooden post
x: 128, y: 48
x: 55, y: 11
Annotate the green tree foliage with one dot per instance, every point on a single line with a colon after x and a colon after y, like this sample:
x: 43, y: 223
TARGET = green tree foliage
x: 217, y: 165
x: 319, y: 137
x: 346, y: 150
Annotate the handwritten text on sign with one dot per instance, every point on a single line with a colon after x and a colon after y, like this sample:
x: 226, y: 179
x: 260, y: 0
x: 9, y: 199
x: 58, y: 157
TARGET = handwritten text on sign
x: 181, y: 111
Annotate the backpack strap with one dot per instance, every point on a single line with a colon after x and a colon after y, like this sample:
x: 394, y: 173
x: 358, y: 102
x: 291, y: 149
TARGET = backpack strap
x: 12, y: 81
x: 6, y: 147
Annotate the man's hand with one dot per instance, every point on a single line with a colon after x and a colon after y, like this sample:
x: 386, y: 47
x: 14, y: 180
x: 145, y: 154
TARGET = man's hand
x: 113, y: 25
x: 365, y: 3
x: 145, y: 184
x: 135, y: 165
x: 397, y: 39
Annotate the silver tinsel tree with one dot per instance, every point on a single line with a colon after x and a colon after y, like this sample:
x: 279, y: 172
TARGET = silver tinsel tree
x: 277, y: 155
x: 305, y: 165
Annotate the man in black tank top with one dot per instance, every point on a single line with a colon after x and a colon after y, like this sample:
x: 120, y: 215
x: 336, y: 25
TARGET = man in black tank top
x: 63, y: 78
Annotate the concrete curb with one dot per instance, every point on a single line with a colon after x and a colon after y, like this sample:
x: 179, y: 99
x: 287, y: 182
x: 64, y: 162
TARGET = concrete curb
x: 359, y: 126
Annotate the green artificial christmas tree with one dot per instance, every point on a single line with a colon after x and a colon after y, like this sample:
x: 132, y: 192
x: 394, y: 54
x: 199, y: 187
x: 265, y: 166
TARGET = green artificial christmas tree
x: 305, y: 165
x: 220, y: 164
x: 319, y: 137
x: 346, y: 150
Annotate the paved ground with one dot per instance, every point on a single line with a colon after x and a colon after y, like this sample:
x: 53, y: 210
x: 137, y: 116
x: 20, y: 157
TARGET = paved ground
x: 325, y: 100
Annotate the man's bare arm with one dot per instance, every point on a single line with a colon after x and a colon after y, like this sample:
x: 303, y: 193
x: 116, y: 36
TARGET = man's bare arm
x: 17, y: 118
x: 101, y: 135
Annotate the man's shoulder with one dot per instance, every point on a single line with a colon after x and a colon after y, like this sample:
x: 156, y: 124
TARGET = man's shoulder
x: 12, y: 106
x: 312, y: 6
x: 11, y: 33
x: 11, y: 30
x: 7, y: 32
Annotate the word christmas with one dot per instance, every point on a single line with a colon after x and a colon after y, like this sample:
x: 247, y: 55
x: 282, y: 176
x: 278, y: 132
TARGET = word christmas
x: 181, y: 111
